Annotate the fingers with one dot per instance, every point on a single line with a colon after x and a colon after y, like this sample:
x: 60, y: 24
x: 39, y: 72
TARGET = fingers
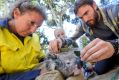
x: 90, y: 52
x: 97, y: 56
x: 53, y: 46
x: 59, y: 42
x: 89, y: 46
x: 97, y: 50
x: 109, y: 51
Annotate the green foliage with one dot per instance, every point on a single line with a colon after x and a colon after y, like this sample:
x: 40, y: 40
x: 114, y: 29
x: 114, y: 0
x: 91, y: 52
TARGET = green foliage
x: 35, y: 2
x: 85, y: 41
x: 3, y: 8
x: 104, y: 2
x: 57, y: 10
x: 73, y: 1
x: 51, y: 23
x: 43, y: 40
x: 1, y: 3
x: 66, y: 17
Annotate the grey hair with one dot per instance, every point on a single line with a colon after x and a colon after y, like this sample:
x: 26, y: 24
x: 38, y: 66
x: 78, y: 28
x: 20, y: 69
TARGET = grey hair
x: 28, y: 5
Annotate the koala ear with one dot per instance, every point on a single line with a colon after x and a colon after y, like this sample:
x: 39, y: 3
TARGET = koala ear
x: 50, y: 65
x: 54, y: 57
x: 50, y: 56
x: 79, y: 62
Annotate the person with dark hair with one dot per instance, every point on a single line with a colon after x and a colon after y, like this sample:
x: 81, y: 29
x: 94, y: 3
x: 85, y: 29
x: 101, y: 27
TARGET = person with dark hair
x: 101, y: 25
x: 20, y: 50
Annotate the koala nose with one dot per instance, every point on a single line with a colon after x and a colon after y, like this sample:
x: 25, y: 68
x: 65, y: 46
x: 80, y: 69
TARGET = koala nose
x: 68, y: 62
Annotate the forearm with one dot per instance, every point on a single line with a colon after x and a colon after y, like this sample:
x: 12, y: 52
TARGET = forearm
x: 71, y: 40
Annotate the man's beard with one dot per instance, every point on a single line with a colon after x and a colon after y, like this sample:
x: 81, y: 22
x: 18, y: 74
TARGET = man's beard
x: 95, y: 20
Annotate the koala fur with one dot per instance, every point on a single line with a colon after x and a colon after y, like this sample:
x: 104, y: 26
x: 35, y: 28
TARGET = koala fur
x: 66, y: 62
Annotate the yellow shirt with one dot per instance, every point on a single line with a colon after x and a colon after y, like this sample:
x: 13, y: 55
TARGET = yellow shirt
x: 16, y: 56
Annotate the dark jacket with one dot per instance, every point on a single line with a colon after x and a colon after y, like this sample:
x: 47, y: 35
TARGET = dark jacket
x: 110, y: 16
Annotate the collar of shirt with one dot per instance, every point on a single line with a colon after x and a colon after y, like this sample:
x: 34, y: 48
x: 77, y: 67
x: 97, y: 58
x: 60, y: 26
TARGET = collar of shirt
x: 4, y: 22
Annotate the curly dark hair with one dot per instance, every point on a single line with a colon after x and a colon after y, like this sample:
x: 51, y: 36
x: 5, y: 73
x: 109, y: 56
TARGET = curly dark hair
x: 80, y: 3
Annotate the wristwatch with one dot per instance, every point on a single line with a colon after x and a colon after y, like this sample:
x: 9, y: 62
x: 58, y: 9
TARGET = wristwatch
x: 115, y: 45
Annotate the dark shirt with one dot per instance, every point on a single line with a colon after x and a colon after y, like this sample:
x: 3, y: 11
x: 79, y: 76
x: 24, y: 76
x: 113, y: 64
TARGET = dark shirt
x: 101, y: 31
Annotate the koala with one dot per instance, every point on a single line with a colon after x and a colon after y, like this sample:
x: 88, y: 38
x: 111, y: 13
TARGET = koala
x: 66, y: 62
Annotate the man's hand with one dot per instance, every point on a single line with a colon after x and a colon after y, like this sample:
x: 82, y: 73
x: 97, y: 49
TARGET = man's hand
x: 55, y: 45
x: 97, y: 50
